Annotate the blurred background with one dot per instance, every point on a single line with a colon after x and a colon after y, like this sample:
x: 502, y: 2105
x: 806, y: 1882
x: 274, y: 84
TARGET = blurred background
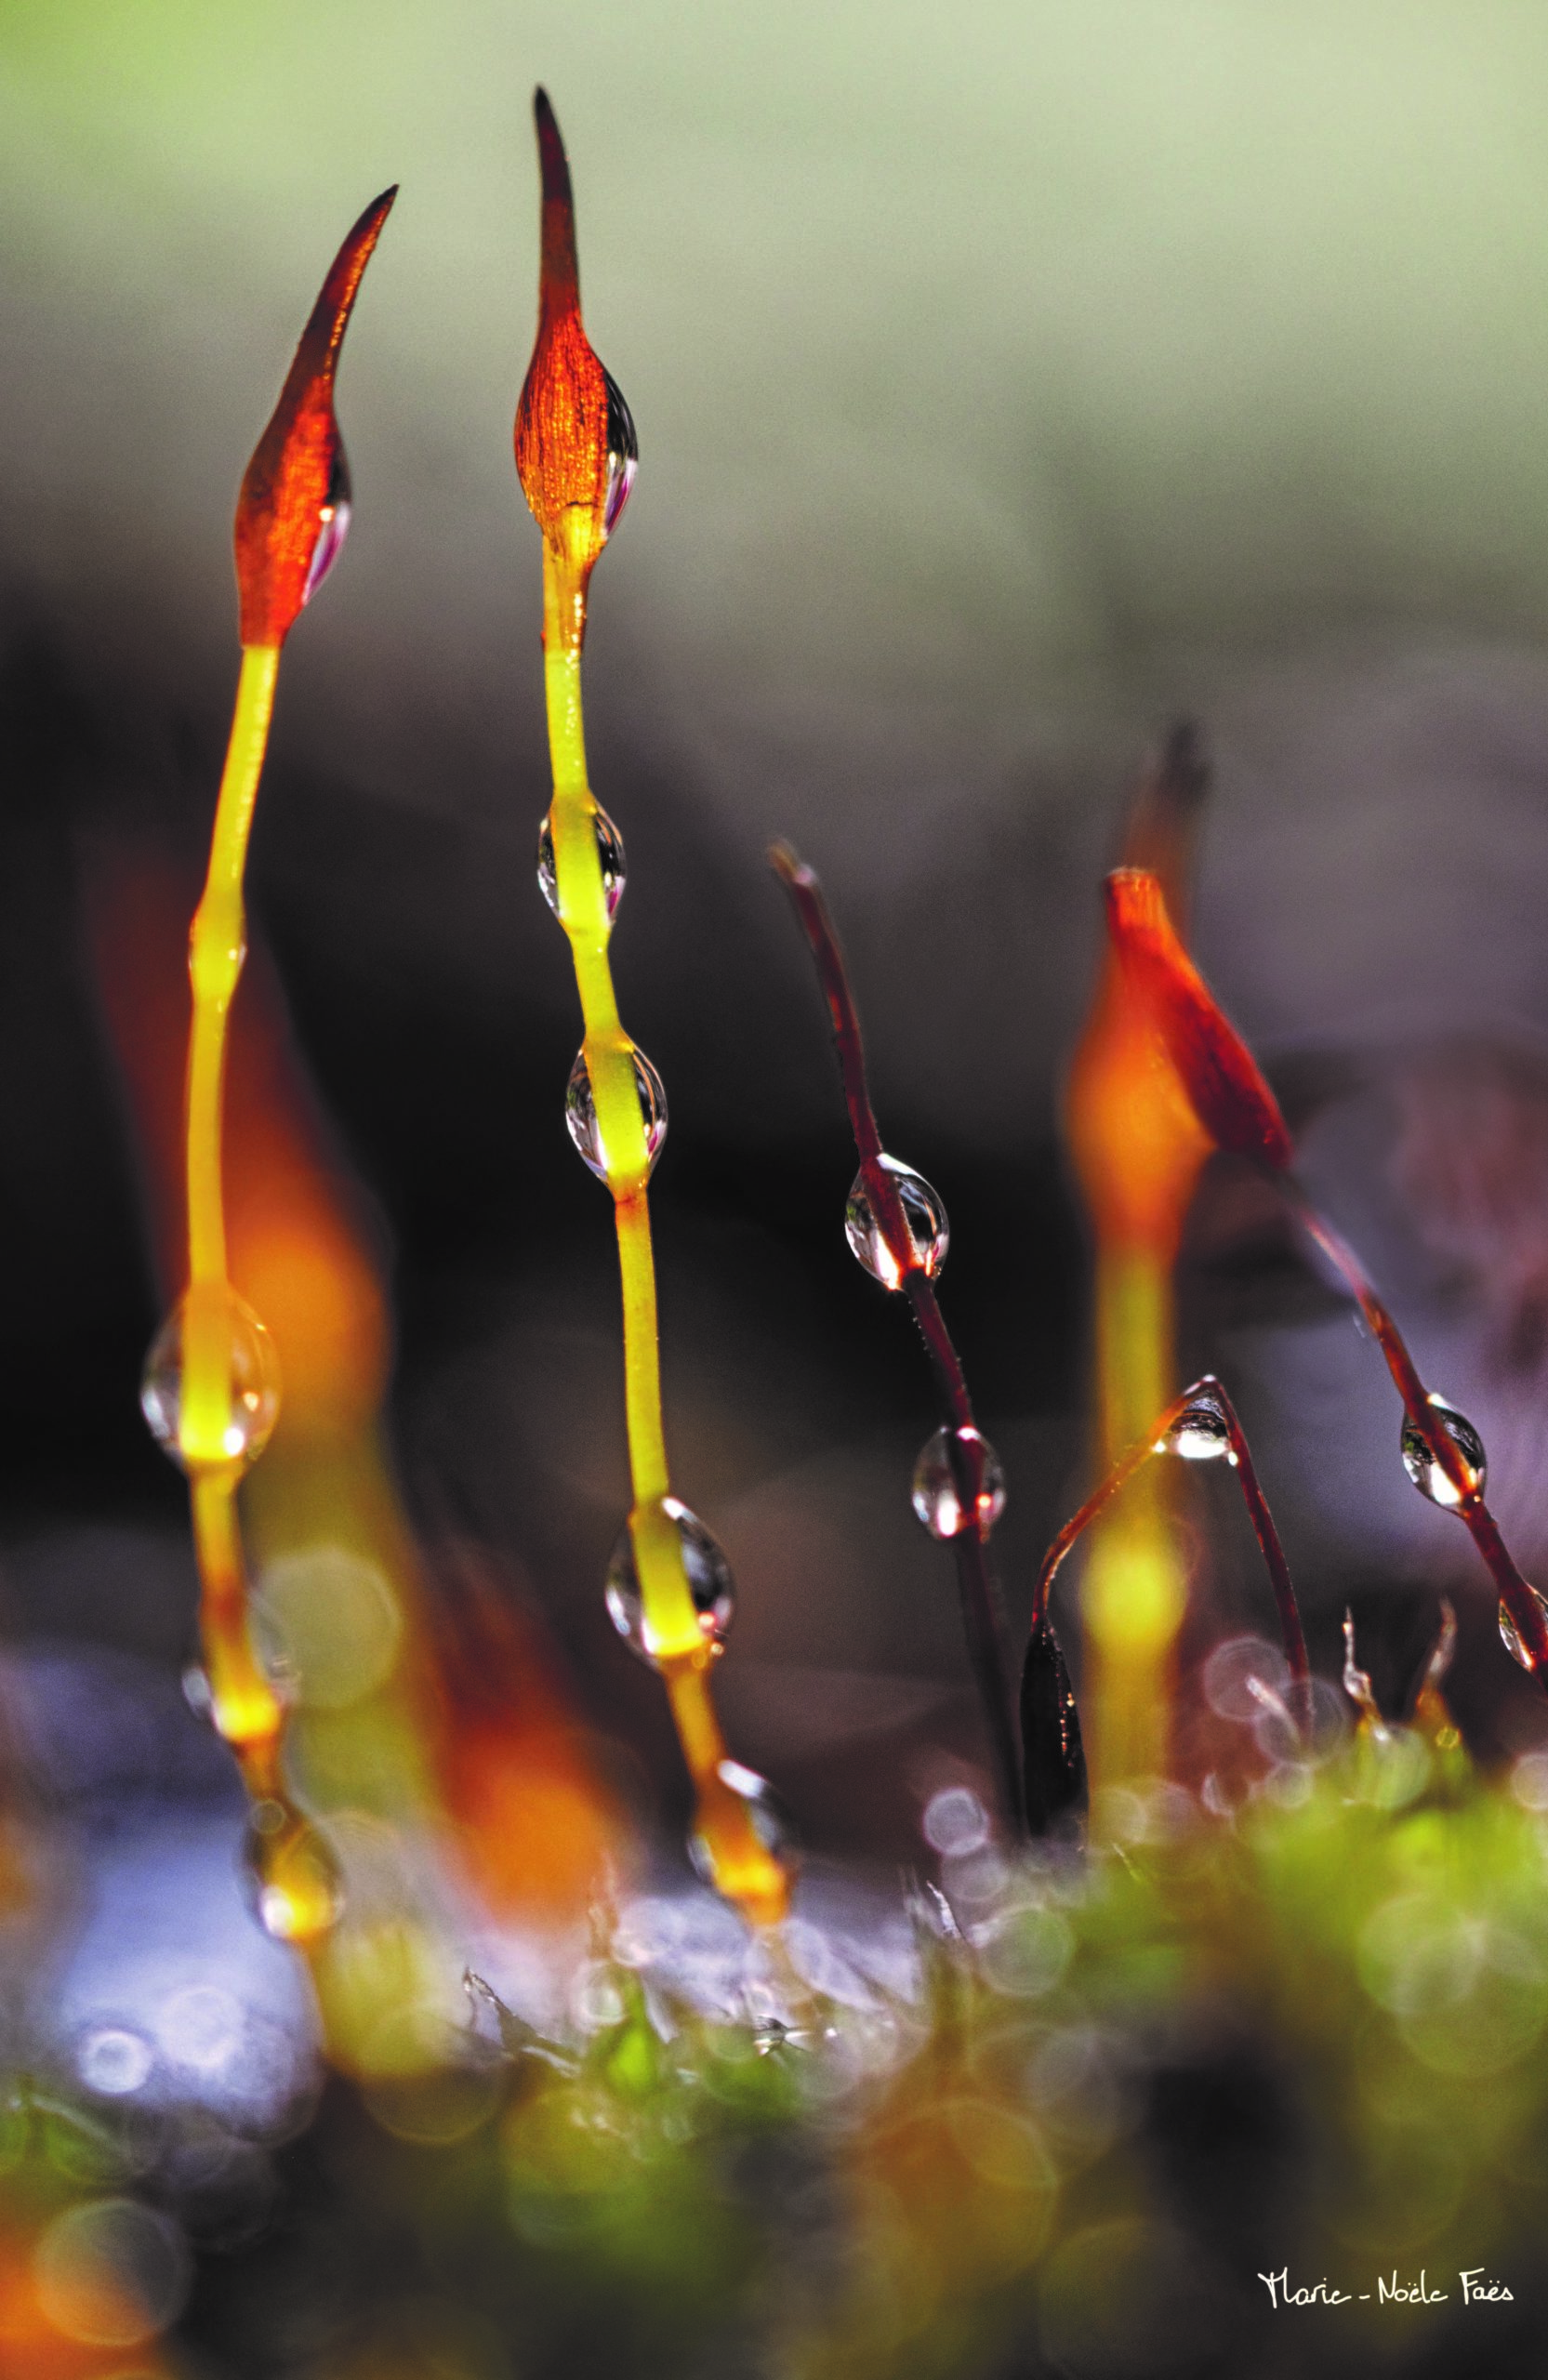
x: 1008, y: 383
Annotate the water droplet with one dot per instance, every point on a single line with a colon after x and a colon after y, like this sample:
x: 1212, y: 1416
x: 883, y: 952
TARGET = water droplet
x: 928, y: 1233
x: 580, y: 1111
x: 1510, y: 1635
x: 1201, y: 1432
x: 220, y: 1439
x: 623, y: 454
x: 333, y: 526
x: 705, y: 1567
x: 297, y: 1890
x: 771, y: 1823
x: 1420, y: 1463
x: 937, y: 1500
x: 610, y: 858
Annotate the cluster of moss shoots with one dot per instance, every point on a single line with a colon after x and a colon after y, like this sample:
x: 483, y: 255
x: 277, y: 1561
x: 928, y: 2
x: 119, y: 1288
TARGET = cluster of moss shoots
x: 1370, y: 1908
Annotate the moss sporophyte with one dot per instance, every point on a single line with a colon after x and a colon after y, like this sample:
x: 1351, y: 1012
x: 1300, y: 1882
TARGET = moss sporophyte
x: 1304, y: 1943
x: 575, y: 456
x: 211, y: 1388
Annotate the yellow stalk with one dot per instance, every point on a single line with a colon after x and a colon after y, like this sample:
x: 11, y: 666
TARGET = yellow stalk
x: 1134, y: 1592
x: 216, y: 949
x: 246, y: 1709
x: 1137, y: 1147
x: 746, y: 1871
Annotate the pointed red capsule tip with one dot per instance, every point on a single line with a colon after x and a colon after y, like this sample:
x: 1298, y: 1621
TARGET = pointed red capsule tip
x: 552, y: 162
x: 1215, y: 1064
x: 575, y: 447
x: 294, y: 508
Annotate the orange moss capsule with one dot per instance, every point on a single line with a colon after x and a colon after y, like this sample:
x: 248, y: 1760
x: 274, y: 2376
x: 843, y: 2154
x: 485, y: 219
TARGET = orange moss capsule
x: 1213, y: 1063
x: 575, y: 447
x: 294, y: 508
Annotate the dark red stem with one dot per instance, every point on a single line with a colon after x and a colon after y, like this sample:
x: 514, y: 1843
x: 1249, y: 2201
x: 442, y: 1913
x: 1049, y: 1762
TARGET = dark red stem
x: 1154, y: 1442
x: 1517, y: 1596
x: 978, y: 1586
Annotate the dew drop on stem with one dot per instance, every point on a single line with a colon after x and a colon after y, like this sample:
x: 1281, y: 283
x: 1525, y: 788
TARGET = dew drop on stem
x: 924, y: 1213
x: 580, y: 1111
x: 1201, y: 1432
x: 623, y: 454
x: 298, y: 1892
x: 938, y: 1495
x: 253, y: 1386
x: 770, y: 1822
x: 332, y: 525
x: 1422, y: 1465
x: 1510, y: 1635
x: 610, y: 859
x: 705, y: 1567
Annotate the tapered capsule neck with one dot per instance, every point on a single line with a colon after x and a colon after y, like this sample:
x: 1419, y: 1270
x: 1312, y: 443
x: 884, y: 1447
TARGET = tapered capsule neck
x: 323, y: 336
x: 559, y: 289
x: 294, y: 502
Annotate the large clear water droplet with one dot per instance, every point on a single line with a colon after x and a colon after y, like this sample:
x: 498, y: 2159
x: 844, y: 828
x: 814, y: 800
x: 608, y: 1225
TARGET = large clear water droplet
x: 610, y: 858
x: 297, y: 1889
x: 1423, y: 1468
x: 771, y: 1822
x: 253, y: 1385
x: 929, y: 1232
x: 1201, y: 1432
x: 623, y: 454
x: 1510, y: 1635
x: 580, y: 1111
x: 332, y: 525
x: 705, y: 1567
x: 938, y: 1500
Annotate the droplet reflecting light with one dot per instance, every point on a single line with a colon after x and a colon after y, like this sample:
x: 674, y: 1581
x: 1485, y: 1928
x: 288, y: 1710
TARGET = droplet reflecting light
x: 332, y: 525
x: 623, y: 454
x: 610, y: 859
x: 580, y: 1111
x: 299, y: 1893
x: 1510, y: 1635
x: 1201, y: 1432
x: 1419, y: 1462
x: 253, y: 1392
x: 770, y: 1821
x: 924, y: 1213
x: 938, y: 1500
x: 705, y: 1567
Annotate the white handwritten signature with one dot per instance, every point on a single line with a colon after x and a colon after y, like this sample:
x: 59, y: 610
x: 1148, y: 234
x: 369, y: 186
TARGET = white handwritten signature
x: 1477, y: 2290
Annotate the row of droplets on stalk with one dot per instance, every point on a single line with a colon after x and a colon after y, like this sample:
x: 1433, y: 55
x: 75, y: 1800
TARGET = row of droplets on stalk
x: 710, y: 1585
